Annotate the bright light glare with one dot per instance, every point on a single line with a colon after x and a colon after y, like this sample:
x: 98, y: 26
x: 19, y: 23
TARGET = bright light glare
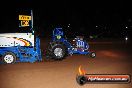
x: 126, y: 38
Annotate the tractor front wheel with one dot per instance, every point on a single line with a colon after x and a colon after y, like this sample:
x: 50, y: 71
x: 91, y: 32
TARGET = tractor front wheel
x: 93, y: 54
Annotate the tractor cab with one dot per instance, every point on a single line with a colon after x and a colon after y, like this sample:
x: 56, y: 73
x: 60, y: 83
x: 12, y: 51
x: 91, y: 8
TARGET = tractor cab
x: 58, y: 34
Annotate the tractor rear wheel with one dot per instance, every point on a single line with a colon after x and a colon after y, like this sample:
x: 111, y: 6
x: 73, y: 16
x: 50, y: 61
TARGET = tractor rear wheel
x: 56, y: 51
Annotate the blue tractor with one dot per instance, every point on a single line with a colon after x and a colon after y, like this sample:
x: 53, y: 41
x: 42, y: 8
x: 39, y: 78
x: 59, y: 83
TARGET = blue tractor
x: 60, y: 47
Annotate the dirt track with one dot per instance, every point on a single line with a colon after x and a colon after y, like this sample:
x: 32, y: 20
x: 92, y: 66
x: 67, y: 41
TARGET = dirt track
x: 111, y: 59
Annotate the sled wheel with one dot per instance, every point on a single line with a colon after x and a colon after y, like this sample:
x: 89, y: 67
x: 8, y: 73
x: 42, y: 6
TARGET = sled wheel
x: 9, y: 58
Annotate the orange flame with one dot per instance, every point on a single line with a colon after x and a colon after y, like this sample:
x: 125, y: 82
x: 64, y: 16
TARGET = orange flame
x: 81, y: 72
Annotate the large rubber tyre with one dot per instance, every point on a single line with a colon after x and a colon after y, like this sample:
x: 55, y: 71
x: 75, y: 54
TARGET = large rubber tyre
x: 9, y: 58
x: 56, y: 51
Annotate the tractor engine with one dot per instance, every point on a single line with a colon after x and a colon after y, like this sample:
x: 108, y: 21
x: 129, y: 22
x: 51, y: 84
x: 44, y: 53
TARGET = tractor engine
x: 78, y: 44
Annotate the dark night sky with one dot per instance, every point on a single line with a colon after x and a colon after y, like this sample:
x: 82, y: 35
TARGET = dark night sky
x: 83, y: 16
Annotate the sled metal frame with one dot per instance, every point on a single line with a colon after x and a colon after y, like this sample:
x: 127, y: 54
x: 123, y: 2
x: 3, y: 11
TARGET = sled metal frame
x: 25, y: 53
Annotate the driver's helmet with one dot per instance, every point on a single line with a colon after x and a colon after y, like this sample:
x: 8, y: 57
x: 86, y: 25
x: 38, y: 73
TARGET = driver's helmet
x: 58, y: 37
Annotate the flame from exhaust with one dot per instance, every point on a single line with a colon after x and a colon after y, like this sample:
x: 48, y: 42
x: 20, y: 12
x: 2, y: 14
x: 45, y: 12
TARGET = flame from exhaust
x: 81, y: 72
